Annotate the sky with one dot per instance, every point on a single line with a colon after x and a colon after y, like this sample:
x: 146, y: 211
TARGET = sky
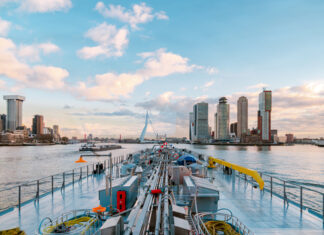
x: 97, y: 66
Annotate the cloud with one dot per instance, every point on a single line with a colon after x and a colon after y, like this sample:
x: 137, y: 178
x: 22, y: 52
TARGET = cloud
x: 2, y: 84
x: 209, y: 84
x: 212, y: 70
x: 119, y: 113
x: 258, y: 86
x: 139, y: 14
x: 32, y: 52
x: 67, y: 106
x: 110, y: 42
x: 112, y: 86
x: 4, y: 27
x: 45, y: 77
x: 43, y: 6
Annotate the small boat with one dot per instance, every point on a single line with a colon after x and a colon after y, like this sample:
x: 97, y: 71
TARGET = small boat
x: 94, y: 148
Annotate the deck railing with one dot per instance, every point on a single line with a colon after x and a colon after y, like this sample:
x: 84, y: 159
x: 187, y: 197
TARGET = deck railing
x: 291, y: 192
x: 16, y: 196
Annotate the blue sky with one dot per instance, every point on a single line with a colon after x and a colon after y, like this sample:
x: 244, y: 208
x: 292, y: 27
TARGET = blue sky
x: 95, y: 66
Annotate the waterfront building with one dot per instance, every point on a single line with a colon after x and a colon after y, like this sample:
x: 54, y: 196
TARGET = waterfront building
x: 223, y: 119
x: 38, y: 125
x: 56, y: 130
x: 14, y: 111
x: 191, y: 125
x: 242, y: 116
x: 234, y: 129
x: 290, y: 138
x: 3, y: 118
x: 47, y: 131
x: 264, y: 115
x: 200, y: 130
x: 215, y: 131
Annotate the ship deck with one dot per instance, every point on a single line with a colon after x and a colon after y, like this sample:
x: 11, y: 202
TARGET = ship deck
x: 81, y: 195
x: 259, y: 211
x: 262, y: 213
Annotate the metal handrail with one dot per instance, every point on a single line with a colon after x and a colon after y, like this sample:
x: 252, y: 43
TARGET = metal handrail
x: 12, y: 202
x: 301, y: 202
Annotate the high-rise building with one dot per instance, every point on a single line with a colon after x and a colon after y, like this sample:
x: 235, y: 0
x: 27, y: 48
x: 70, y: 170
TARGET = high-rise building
x: 264, y: 115
x: 3, y: 118
x: 223, y: 119
x: 242, y: 116
x: 56, y: 130
x: 290, y: 138
x: 38, y: 125
x: 191, y: 125
x: 200, y: 130
x: 215, y: 131
x: 233, y: 128
x: 14, y: 111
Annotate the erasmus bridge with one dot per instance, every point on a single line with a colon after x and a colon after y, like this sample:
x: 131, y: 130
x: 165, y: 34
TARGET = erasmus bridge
x: 147, y: 121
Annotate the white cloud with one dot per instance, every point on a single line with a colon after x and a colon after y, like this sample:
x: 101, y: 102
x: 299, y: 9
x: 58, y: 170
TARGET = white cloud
x: 4, y: 27
x: 46, y: 77
x: 147, y: 93
x: 32, y: 52
x: 45, y: 5
x: 111, y: 41
x: 139, y: 14
x: 258, y: 86
x: 212, y: 70
x: 2, y: 84
x: 208, y: 84
x: 111, y: 86
x: 161, y: 63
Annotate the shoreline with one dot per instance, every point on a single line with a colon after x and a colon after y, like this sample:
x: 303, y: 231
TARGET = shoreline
x: 25, y: 144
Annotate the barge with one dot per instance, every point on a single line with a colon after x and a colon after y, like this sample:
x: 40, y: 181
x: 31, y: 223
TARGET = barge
x: 165, y: 190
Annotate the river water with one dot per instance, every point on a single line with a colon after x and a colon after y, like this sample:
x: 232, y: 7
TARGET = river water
x: 303, y: 164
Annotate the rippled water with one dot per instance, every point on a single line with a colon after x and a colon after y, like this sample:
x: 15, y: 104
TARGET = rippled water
x: 25, y: 163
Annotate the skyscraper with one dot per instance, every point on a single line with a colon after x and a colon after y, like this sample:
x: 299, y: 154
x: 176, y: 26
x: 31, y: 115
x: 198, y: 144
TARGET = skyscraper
x: 242, y: 116
x: 38, y: 125
x: 3, y: 124
x: 191, y: 124
x: 200, y: 114
x: 14, y: 111
x: 223, y: 119
x: 56, y: 130
x: 215, y: 132
x: 264, y: 115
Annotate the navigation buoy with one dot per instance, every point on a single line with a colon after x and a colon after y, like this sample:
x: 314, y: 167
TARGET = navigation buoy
x: 99, y: 209
x: 81, y: 160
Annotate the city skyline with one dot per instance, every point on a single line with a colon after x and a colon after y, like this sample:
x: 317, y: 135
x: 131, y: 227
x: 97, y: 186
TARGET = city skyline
x: 99, y: 73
